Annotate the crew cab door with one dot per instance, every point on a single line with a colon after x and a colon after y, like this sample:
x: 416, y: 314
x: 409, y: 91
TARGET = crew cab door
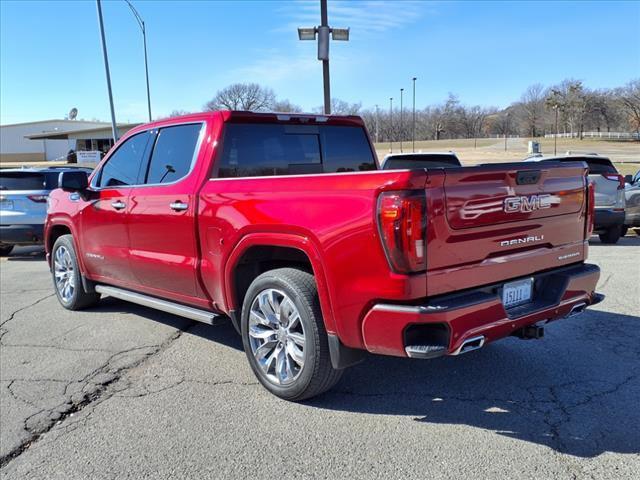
x: 162, y: 229
x: 104, y: 237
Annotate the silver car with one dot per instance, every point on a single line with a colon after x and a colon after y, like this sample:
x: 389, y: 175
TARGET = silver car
x: 609, y: 192
x: 632, y: 207
x: 23, y: 204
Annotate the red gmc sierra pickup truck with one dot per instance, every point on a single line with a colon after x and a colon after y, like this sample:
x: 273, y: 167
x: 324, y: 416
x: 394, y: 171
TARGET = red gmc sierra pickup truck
x: 286, y: 225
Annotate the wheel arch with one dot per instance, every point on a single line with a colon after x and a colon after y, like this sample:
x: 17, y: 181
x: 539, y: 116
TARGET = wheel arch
x: 264, y: 251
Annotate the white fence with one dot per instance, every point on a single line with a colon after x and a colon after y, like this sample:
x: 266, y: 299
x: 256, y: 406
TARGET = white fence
x: 608, y: 135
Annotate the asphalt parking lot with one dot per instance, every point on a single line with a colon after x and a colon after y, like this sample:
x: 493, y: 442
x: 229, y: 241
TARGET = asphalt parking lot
x: 122, y: 391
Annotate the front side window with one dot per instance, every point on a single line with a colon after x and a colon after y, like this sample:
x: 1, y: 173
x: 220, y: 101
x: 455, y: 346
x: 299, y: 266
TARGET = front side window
x: 123, y: 166
x: 173, y: 153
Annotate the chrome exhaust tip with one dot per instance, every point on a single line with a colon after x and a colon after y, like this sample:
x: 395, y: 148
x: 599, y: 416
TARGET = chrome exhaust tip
x: 577, y: 309
x: 470, y: 344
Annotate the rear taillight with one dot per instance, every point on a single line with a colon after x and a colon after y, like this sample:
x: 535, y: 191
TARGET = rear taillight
x: 616, y: 178
x: 38, y: 198
x: 591, y: 208
x: 402, y: 222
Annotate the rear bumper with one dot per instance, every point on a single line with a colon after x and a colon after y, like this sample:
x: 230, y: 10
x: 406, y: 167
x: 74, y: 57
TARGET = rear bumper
x: 28, y: 234
x: 605, y: 219
x: 452, y: 320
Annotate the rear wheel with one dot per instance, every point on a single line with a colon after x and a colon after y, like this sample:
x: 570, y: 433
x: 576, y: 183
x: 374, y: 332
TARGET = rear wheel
x: 66, y: 276
x: 610, y: 236
x: 5, y: 250
x: 284, y: 336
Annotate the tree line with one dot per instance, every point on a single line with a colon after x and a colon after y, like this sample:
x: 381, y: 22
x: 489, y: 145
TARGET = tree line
x: 568, y: 107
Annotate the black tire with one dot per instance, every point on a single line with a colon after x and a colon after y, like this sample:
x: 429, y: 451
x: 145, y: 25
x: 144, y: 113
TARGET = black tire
x: 5, y: 250
x: 637, y: 230
x: 611, y: 236
x: 623, y: 230
x: 79, y: 298
x: 317, y: 375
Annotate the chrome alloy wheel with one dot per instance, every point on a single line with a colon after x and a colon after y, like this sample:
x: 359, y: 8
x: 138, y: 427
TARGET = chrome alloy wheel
x: 276, y: 336
x: 64, y: 273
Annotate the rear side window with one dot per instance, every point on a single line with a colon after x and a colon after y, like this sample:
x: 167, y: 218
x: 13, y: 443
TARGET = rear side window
x: 251, y: 150
x: 173, y: 153
x: 600, y: 166
x: 123, y: 166
x: 23, y: 181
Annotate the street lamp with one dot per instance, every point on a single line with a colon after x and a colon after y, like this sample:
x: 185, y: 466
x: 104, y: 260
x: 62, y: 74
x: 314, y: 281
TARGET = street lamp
x: 555, y: 137
x: 322, y: 31
x: 144, y: 41
x: 391, y: 125
x: 413, y: 129
x: 506, y: 129
x: 401, y: 124
x: 377, y: 130
x: 114, y: 128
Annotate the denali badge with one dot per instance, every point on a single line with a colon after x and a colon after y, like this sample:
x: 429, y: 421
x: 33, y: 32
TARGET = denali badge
x: 520, y: 241
x: 527, y: 204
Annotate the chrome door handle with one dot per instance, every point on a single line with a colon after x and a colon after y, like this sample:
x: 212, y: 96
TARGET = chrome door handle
x: 118, y: 205
x: 178, y: 206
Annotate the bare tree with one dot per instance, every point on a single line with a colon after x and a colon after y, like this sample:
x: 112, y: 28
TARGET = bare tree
x: 285, y: 106
x: 243, y: 96
x: 340, y: 107
x: 629, y: 100
x: 530, y: 109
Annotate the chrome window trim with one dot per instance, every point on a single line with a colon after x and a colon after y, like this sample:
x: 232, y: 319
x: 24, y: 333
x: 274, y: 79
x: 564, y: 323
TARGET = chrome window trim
x: 141, y: 185
x: 304, y: 175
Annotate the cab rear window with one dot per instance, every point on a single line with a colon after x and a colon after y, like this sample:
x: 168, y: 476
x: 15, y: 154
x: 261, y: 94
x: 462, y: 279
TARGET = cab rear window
x: 251, y: 150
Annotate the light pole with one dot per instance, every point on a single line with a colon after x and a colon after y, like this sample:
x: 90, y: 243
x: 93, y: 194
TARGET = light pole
x: 555, y: 137
x: 506, y: 130
x: 114, y: 128
x: 144, y: 41
x: 413, y: 129
x: 377, y: 130
x: 323, y: 31
x: 401, y: 122
x: 391, y: 125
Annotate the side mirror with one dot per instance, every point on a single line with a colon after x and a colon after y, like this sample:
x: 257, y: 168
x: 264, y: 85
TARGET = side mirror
x: 73, y: 180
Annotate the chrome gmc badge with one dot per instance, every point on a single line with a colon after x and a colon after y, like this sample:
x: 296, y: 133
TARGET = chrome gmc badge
x: 524, y: 204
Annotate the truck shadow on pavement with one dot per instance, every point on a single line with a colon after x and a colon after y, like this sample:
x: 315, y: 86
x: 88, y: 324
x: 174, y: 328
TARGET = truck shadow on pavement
x: 572, y: 392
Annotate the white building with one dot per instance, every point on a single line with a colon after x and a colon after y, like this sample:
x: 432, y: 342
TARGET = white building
x: 52, y: 140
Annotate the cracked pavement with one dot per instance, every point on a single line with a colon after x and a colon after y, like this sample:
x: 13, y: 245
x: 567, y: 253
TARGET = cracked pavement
x: 121, y: 391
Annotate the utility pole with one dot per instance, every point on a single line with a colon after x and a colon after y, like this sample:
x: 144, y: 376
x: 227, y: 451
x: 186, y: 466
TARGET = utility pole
x: 391, y: 125
x: 114, y: 128
x: 401, y: 123
x: 413, y: 133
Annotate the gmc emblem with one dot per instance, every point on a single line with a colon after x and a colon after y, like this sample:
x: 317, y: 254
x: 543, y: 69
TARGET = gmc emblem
x: 525, y: 204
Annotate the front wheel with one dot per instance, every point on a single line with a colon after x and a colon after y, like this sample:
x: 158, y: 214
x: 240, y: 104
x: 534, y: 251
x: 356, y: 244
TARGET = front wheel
x: 284, y: 335
x: 66, y: 276
x: 610, y: 236
x: 5, y: 250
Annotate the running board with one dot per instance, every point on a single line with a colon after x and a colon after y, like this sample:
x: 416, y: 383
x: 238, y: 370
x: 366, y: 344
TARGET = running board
x: 158, y: 304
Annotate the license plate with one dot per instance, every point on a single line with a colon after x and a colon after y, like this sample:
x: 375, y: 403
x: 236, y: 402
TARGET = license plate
x: 6, y: 204
x: 517, y: 293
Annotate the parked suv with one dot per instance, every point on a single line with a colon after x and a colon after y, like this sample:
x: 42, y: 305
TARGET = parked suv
x: 632, y: 206
x: 23, y: 204
x: 609, y: 193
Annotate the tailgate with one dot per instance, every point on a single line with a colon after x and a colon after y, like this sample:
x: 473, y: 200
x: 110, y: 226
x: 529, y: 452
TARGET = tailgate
x: 503, y: 221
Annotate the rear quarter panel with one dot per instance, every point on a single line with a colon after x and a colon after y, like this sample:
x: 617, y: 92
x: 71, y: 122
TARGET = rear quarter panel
x: 330, y: 216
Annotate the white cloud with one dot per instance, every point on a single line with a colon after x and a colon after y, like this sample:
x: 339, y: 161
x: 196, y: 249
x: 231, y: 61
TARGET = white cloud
x: 363, y: 17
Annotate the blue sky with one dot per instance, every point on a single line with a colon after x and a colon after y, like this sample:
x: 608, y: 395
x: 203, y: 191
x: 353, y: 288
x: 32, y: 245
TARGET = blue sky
x: 485, y: 52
